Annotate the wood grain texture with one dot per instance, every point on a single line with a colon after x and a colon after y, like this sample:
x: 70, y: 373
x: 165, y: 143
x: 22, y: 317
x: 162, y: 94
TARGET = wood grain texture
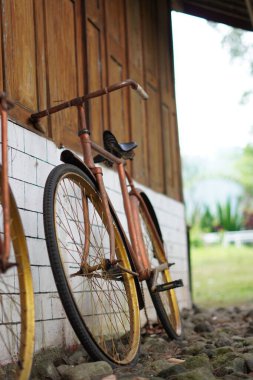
x: 153, y: 106
x: 96, y: 67
x: 62, y: 68
x: 54, y: 50
x: 116, y: 66
x: 20, y: 56
x: 138, y: 128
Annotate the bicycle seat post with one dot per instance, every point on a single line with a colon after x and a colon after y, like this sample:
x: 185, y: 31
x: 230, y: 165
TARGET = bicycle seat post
x: 84, y: 134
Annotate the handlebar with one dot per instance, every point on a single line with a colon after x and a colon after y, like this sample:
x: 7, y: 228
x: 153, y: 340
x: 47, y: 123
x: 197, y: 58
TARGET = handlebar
x: 80, y: 100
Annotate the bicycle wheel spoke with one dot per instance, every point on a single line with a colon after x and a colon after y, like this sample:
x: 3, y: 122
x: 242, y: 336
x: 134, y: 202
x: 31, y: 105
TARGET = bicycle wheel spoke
x: 103, y: 300
x: 165, y: 302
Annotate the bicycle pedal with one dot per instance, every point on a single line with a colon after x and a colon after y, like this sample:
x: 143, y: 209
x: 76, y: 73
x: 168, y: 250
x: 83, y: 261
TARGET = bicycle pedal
x: 169, y: 286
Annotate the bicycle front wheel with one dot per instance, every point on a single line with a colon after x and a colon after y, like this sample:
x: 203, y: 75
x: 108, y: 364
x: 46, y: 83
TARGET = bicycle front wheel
x: 101, y: 304
x: 165, y: 302
x: 16, y: 303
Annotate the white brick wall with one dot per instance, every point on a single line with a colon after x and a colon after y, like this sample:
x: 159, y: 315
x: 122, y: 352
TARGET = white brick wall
x: 31, y: 159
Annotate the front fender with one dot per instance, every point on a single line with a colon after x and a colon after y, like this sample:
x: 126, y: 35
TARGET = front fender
x: 69, y: 157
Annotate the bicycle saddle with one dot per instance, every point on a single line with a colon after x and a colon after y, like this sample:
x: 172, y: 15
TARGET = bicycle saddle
x: 120, y: 150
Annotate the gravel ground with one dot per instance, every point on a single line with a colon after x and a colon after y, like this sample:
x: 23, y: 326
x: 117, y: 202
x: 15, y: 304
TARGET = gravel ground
x: 217, y: 344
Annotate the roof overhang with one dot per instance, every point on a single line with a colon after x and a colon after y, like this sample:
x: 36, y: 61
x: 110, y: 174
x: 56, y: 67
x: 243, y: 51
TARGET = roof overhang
x: 236, y: 13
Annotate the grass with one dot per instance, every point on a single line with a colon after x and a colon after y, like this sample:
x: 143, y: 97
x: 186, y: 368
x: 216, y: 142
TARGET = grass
x: 222, y: 276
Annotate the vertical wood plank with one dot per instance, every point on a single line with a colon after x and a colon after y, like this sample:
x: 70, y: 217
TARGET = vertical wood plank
x: 172, y: 171
x: 116, y: 66
x: 137, y: 105
x: 155, y: 143
x: 96, y: 66
x: 20, y: 55
x: 62, y: 68
x: 40, y: 60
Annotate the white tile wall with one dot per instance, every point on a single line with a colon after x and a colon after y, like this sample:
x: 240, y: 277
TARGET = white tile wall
x: 31, y: 159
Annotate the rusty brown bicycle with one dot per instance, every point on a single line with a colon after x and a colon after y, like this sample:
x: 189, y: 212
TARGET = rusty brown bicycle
x: 97, y: 271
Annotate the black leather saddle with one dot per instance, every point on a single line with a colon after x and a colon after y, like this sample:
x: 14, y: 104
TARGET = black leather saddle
x: 120, y: 150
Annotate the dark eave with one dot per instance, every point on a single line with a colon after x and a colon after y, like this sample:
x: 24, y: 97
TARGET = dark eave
x: 236, y: 13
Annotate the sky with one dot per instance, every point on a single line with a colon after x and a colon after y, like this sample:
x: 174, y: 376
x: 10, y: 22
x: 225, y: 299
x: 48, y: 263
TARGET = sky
x: 208, y: 90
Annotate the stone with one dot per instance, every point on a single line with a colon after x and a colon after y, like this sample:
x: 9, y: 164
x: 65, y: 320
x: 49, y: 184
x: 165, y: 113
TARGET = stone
x: 155, y: 345
x: 197, y: 361
x: 223, y: 340
x: 223, y: 359
x: 196, y: 309
x: 223, y: 371
x: 194, y: 349
x: 195, y: 374
x: 203, y: 327
x: 160, y: 364
x: 237, y: 376
x: 185, y: 313
x: 249, y: 361
x: 250, y: 328
x: 61, y: 360
x: 223, y: 350
x: 249, y: 315
x: 63, y: 368
x: 239, y: 365
x: 237, y: 338
x: 248, y: 341
x: 47, y: 370
x: 172, y: 371
x: 85, y: 371
x: 78, y: 357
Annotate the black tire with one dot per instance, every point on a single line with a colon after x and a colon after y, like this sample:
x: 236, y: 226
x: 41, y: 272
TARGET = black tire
x: 69, y: 189
x: 165, y: 303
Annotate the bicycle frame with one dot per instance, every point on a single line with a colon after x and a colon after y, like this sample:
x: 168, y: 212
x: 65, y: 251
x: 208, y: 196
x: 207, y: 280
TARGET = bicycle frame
x: 5, y: 104
x: 130, y: 200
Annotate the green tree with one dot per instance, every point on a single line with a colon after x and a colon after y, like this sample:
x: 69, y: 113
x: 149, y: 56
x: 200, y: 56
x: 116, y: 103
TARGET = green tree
x: 240, y: 48
x: 244, y: 170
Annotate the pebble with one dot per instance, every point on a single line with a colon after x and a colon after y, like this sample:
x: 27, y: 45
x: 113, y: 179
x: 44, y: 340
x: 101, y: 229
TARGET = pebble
x: 217, y: 344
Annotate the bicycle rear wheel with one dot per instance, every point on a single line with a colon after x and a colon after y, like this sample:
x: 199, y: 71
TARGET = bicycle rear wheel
x: 101, y: 304
x: 165, y: 302
x: 16, y: 303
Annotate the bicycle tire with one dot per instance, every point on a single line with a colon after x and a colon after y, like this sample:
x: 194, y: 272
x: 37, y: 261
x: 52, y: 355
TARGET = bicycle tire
x: 165, y: 302
x: 17, y: 322
x: 69, y: 189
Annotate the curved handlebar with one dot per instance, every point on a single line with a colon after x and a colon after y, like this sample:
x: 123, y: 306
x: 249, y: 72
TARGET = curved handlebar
x: 80, y: 100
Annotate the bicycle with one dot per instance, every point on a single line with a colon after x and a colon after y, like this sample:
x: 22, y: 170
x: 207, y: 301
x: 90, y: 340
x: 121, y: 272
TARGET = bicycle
x: 16, y: 290
x: 97, y: 271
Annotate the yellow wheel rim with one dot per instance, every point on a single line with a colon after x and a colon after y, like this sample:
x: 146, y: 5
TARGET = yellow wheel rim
x: 17, y: 305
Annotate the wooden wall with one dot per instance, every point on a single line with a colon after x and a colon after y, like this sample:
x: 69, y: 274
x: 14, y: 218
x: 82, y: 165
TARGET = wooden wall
x: 54, y: 50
